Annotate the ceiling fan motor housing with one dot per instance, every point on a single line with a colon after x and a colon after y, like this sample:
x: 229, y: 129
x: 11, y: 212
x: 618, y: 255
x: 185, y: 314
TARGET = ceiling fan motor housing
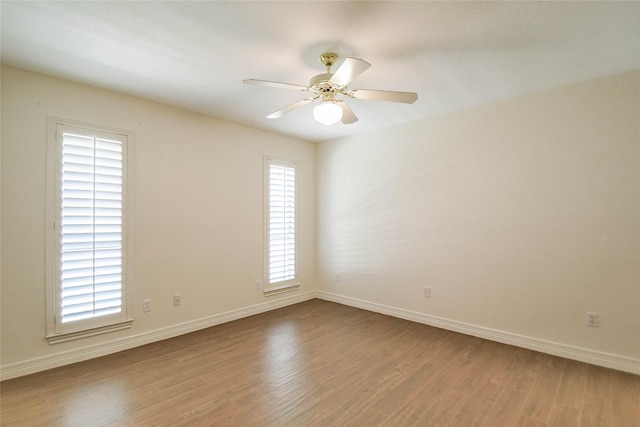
x: 320, y: 83
x: 320, y: 78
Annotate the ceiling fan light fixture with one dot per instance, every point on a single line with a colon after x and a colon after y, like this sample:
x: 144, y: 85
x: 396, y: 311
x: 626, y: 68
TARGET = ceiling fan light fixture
x: 328, y: 113
x: 329, y: 86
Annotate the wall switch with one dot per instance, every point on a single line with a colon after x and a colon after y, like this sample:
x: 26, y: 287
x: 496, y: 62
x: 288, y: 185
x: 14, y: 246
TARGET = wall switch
x: 146, y: 305
x: 177, y: 300
x: 258, y: 284
x: 427, y: 292
x: 592, y: 320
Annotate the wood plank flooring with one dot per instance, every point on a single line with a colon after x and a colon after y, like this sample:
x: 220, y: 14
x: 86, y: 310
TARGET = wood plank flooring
x: 324, y: 364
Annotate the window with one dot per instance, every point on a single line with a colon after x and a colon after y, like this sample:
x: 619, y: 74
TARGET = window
x: 280, y: 210
x: 87, y: 237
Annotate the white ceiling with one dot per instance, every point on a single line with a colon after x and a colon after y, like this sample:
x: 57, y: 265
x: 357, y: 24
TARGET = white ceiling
x: 194, y: 55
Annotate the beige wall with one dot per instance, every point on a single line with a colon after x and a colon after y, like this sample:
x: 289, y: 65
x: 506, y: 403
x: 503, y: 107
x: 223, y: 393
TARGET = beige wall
x: 198, y: 216
x: 521, y: 216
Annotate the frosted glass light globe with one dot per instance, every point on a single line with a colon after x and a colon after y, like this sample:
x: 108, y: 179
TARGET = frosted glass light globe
x: 327, y: 113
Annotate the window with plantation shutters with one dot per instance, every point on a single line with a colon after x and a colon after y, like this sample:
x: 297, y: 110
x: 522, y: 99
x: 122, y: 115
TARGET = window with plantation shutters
x: 89, y: 245
x: 281, y: 224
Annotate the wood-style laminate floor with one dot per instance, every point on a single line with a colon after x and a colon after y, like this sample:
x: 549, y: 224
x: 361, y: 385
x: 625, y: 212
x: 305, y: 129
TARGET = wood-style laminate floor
x: 324, y: 364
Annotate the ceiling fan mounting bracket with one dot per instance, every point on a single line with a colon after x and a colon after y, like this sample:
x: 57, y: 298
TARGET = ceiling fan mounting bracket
x: 328, y: 59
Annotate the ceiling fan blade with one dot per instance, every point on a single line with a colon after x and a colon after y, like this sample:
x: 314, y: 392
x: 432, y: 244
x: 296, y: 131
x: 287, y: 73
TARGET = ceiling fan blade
x: 349, y: 70
x: 384, y: 95
x: 274, y: 84
x: 347, y: 115
x: 290, y: 108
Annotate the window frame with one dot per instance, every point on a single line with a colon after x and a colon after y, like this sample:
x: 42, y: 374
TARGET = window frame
x: 56, y: 331
x: 291, y: 284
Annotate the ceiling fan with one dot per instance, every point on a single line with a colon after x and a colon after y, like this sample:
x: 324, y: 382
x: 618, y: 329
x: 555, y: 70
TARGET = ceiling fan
x: 329, y: 86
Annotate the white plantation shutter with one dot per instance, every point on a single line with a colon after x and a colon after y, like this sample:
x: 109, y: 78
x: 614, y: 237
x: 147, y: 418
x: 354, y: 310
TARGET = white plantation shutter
x: 91, y: 232
x: 281, y: 221
x: 89, y: 245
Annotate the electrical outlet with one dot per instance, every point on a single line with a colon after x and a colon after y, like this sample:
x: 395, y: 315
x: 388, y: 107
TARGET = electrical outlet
x: 146, y: 305
x: 592, y: 320
x: 427, y: 292
x: 177, y: 300
x: 258, y: 284
x: 337, y: 277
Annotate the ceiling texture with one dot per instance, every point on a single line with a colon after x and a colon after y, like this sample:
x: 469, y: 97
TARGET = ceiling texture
x: 195, y: 55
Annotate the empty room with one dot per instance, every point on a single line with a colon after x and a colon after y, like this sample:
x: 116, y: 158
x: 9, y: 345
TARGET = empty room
x: 243, y: 213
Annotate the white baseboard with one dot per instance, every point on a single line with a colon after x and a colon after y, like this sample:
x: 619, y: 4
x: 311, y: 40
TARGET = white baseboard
x: 43, y: 363
x: 38, y: 364
x: 607, y: 360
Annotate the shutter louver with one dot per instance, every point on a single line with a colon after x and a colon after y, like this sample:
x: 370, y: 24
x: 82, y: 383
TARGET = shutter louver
x: 282, y: 205
x: 91, y: 234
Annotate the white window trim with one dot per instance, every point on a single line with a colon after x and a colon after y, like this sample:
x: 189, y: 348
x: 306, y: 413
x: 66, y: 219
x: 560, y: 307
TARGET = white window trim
x: 55, y: 333
x: 292, y: 284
